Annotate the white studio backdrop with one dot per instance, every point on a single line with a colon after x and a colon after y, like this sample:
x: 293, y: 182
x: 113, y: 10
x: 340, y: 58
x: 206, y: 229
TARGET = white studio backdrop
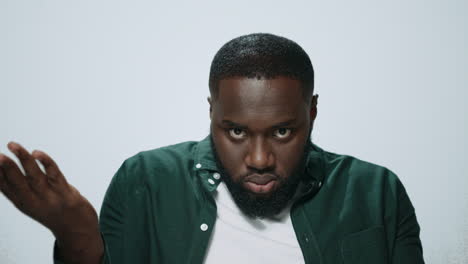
x: 94, y: 82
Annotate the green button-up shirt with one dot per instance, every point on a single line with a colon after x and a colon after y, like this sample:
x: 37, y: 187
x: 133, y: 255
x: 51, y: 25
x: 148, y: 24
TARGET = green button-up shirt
x: 159, y: 208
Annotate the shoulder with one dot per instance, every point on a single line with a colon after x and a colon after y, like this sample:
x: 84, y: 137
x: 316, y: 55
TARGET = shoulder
x: 360, y: 175
x: 163, y: 157
x: 362, y: 184
x: 159, y: 164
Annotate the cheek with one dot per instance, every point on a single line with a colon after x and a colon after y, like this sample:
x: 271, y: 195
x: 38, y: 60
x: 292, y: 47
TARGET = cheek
x: 289, y: 155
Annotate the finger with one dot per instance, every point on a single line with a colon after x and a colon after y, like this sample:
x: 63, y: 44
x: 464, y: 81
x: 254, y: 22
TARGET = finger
x: 52, y: 170
x: 4, y: 188
x: 34, y: 174
x: 2, y: 178
x: 13, y: 180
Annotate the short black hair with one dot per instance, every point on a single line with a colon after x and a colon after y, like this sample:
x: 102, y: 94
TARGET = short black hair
x: 261, y: 55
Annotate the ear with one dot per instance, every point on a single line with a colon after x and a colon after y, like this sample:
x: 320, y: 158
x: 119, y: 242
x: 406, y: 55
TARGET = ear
x: 313, y: 108
x: 210, y: 103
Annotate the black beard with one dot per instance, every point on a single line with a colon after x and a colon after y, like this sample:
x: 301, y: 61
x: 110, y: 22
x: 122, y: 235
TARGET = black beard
x: 264, y: 206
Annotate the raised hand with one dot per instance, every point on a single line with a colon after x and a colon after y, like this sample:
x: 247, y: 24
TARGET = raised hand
x: 47, y: 197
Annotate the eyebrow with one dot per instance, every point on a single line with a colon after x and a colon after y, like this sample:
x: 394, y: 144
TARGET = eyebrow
x: 233, y: 124
x: 278, y: 125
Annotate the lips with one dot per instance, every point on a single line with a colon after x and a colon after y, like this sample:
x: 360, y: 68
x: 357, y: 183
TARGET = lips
x: 261, y: 179
x: 260, y: 183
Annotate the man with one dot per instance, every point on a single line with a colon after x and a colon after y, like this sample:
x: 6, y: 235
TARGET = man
x: 256, y: 190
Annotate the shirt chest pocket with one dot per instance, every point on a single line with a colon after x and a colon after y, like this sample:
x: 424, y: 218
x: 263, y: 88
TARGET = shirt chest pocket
x: 367, y: 246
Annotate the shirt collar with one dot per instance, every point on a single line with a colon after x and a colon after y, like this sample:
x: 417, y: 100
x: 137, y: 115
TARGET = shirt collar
x: 205, y: 163
x: 204, y: 156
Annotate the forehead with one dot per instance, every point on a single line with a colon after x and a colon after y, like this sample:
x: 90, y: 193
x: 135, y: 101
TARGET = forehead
x: 255, y: 99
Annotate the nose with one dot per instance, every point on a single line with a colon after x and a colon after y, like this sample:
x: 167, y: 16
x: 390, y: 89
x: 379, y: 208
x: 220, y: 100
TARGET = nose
x: 259, y: 156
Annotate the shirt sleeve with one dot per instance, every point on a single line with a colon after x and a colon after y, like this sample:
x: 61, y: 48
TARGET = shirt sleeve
x: 111, y: 221
x: 408, y: 248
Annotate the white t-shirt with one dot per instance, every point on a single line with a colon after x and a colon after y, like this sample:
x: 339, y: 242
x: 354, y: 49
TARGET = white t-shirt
x: 237, y: 238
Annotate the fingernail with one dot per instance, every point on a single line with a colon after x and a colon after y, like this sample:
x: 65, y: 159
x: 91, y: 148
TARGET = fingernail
x: 12, y: 146
x: 34, y: 153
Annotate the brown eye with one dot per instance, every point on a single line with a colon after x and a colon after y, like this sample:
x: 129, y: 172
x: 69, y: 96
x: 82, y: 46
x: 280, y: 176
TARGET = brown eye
x: 237, y: 133
x: 282, y: 133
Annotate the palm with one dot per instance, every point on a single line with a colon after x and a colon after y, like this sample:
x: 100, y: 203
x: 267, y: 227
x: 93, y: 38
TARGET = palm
x: 45, y: 195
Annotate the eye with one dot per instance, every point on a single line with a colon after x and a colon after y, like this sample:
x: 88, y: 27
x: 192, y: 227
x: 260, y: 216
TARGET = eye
x: 237, y: 133
x: 282, y: 133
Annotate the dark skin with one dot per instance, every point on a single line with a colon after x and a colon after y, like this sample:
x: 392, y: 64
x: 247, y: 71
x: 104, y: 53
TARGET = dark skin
x: 48, y: 198
x: 259, y: 128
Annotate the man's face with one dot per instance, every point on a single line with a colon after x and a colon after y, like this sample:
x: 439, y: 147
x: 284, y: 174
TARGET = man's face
x: 260, y: 130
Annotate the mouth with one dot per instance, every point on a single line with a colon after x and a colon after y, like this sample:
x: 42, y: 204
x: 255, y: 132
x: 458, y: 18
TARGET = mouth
x: 260, y: 188
x: 261, y: 184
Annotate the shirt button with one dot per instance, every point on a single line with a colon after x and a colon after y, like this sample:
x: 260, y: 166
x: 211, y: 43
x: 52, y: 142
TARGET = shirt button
x: 204, y: 227
x: 319, y: 184
x: 198, y: 166
x: 216, y: 175
x: 211, y: 181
